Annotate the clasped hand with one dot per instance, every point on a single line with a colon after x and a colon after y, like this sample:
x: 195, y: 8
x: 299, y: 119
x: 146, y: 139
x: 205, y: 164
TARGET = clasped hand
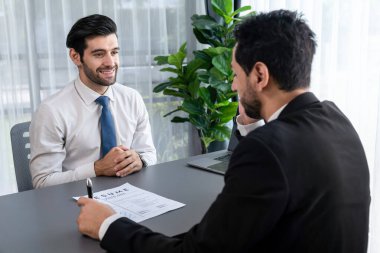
x: 120, y: 161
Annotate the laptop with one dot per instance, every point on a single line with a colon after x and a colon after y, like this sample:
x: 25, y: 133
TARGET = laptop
x: 217, y: 163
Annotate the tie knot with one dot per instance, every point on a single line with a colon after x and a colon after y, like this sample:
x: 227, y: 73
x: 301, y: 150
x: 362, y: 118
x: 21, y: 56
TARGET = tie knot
x: 103, y: 100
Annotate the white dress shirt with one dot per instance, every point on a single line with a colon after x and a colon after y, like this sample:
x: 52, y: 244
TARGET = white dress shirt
x: 65, y: 132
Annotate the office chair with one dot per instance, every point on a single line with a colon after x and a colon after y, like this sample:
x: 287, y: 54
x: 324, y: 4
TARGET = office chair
x: 21, y: 155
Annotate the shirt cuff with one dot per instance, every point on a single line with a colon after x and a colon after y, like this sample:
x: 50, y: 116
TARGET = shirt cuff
x: 246, y: 129
x: 106, y: 223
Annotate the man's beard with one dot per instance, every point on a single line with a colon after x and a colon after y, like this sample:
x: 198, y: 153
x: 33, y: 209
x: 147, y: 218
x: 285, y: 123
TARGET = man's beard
x: 251, y: 103
x: 94, y: 77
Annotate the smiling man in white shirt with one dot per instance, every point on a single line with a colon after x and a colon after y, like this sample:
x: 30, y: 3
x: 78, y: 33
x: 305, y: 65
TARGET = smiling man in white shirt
x: 65, y: 132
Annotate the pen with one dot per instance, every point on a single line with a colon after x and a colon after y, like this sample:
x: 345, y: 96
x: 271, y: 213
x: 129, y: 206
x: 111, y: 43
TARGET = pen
x: 89, y: 187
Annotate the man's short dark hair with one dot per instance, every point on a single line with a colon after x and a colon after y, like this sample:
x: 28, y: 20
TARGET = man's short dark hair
x: 283, y: 41
x: 87, y: 27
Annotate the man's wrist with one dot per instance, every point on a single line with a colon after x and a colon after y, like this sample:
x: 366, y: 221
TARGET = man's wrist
x: 97, y: 167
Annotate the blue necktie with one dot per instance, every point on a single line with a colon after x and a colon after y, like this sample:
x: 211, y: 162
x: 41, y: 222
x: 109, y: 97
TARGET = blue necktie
x: 108, y: 133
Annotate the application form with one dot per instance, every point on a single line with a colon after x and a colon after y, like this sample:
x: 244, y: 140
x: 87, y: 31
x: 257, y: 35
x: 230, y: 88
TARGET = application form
x: 135, y: 203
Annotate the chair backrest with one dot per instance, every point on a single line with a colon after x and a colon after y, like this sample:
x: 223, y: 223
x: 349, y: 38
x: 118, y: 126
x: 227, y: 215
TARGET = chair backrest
x: 21, y: 155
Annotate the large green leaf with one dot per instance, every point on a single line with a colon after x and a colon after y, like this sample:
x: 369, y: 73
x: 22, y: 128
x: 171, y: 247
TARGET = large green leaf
x: 215, y: 116
x: 161, y: 87
x: 222, y: 64
x: 204, y: 22
x: 241, y: 9
x: 183, y: 48
x: 228, y: 112
x: 208, y: 95
x: 173, y: 81
x: 199, y: 36
x: 213, y: 94
x: 222, y: 104
x: 214, y: 51
x: 202, y: 55
x: 221, y: 133
x: 222, y: 7
x: 225, y: 119
x: 174, y: 93
x: 180, y: 86
x: 176, y: 110
x: 169, y: 69
x: 215, y: 74
x: 226, y: 95
x: 205, y: 95
x: 177, y: 79
x: 227, y: 19
x: 230, y: 42
x: 218, y: 10
x: 194, y: 87
x: 212, y: 32
x: 193, y: 66
x: 177, y: 59
x: 197, y: 17
x: 222, y: 86
x: 203, y: 76
x: 192, y: 107
x: 231, y: 94
x: 199, y: 121
x: 207, y: 37
x: 177, y: 119
x: 161, y: 60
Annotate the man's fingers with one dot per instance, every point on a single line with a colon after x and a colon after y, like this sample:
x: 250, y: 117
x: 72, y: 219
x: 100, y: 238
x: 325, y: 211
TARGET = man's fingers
x: 124, y: 172
x: 126, y: 154
x: 126, y: 160
x: 123, y: 164
x: 83, y: 201
x: 132, y: 167
x: 123, y: 147
x: 127, y: 163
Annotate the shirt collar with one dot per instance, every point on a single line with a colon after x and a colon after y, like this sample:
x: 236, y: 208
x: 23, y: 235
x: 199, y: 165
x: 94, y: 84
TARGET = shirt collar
x: 89, y: 96
x: 276, y: 113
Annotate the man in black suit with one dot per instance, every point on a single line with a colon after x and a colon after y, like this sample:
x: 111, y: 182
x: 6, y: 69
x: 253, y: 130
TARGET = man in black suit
x: 300, y: 183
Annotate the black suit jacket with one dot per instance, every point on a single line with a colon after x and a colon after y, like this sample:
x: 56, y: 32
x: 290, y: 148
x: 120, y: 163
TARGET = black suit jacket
x: 298, y: 184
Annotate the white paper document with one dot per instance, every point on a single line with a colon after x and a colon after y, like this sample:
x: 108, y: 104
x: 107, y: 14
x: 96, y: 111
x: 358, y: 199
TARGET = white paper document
x: 135, y: 203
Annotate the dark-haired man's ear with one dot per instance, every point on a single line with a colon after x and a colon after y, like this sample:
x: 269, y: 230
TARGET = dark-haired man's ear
x: 75, y: 57
x: 260, y: 73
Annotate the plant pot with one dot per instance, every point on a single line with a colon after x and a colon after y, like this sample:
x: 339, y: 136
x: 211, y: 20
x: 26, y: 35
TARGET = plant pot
x: 217, y: 145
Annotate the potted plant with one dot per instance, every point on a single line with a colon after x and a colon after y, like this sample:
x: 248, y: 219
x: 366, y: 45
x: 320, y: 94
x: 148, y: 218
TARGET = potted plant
x: 203, y: 84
